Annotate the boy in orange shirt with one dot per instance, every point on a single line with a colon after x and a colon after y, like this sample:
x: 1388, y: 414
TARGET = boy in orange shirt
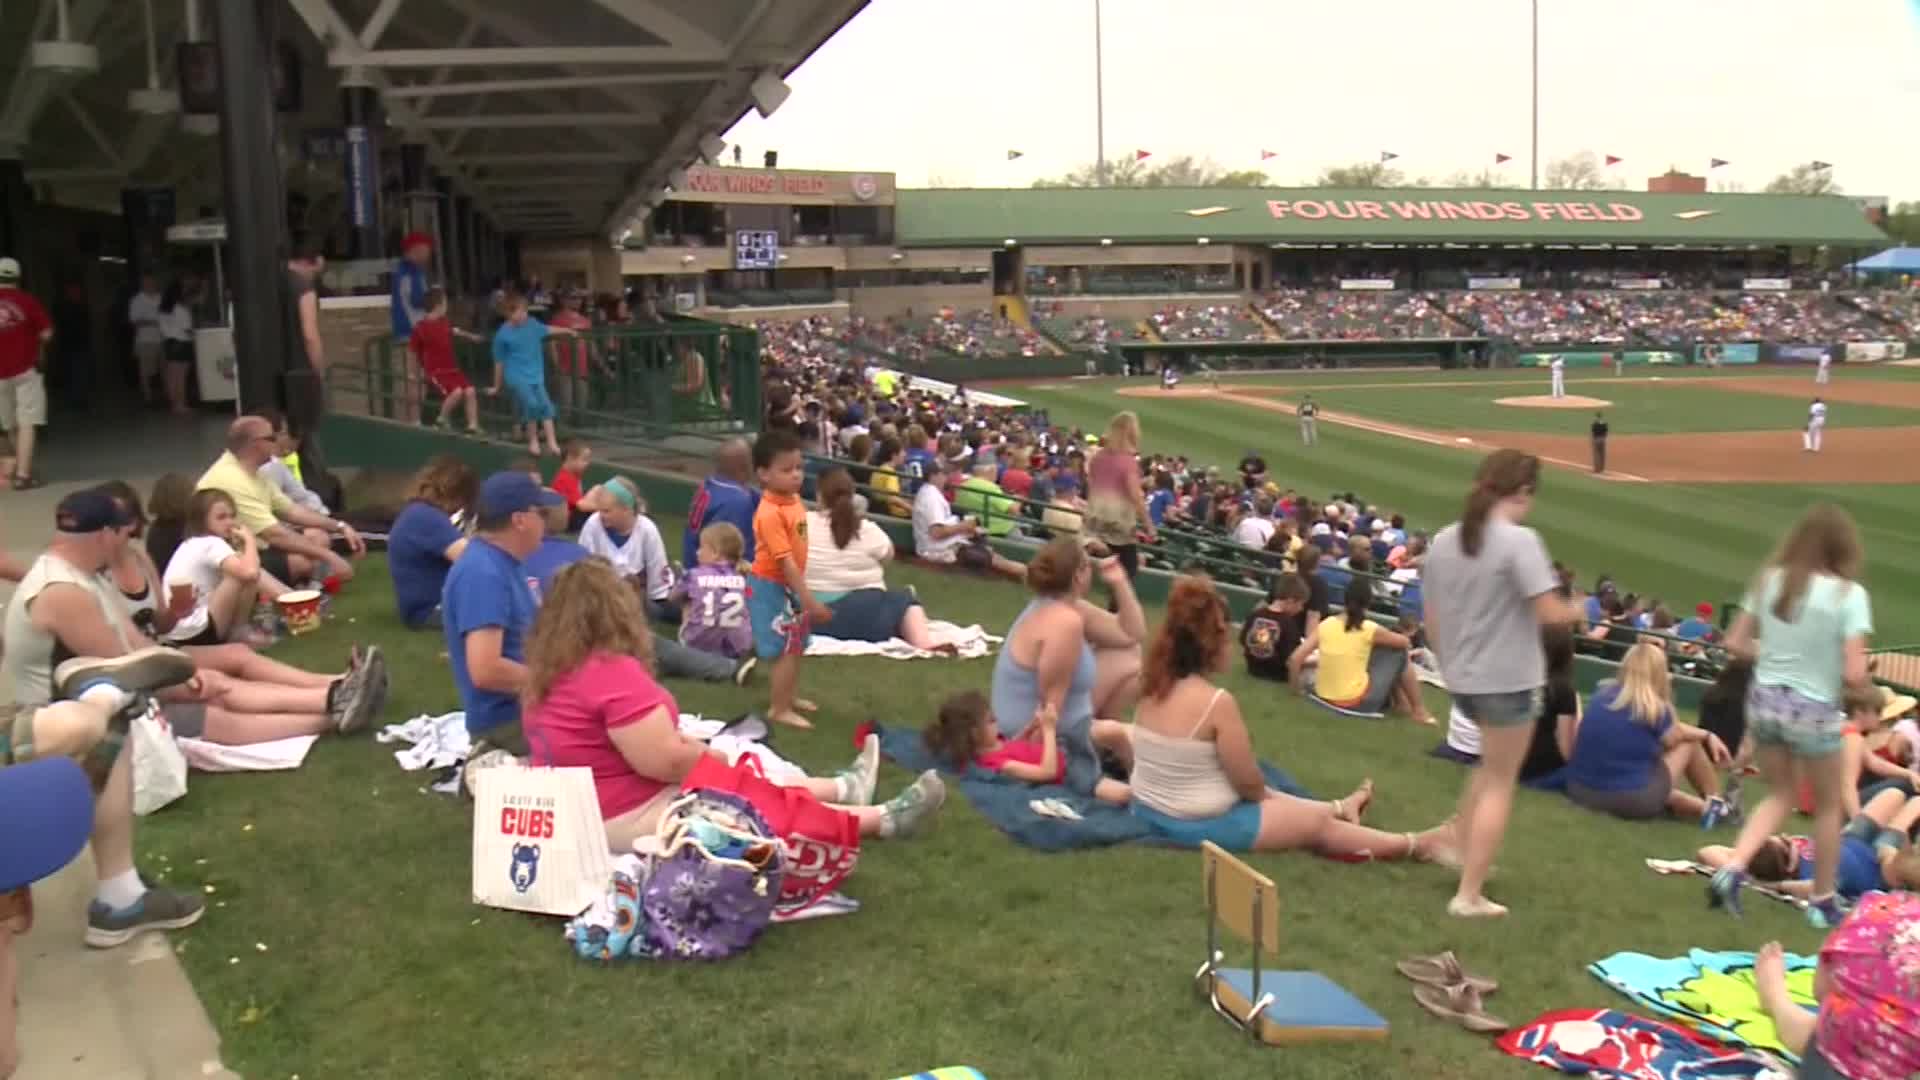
x: 778, y: 603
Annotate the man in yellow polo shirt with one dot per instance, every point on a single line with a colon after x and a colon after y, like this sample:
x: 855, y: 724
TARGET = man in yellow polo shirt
x: 296, y: 539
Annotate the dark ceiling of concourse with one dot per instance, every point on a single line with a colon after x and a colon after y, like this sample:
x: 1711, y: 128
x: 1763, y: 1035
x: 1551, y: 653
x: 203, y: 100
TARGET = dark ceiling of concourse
x: 560, y: 117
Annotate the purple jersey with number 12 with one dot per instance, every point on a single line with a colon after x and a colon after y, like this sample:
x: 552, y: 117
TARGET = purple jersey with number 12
x: 714, y: 618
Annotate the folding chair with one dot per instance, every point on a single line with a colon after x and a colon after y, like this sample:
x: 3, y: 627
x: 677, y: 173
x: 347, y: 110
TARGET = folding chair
x: 1277, y: 1008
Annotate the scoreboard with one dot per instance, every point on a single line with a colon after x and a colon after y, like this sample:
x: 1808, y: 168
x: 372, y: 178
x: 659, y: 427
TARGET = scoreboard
x: 756, y: 249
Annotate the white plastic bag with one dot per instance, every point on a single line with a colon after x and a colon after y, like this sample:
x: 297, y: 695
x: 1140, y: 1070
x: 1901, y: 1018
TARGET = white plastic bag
x: 159, y: 768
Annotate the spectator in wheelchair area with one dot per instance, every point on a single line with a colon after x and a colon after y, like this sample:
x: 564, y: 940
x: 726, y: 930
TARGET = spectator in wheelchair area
x: 1363, y: 665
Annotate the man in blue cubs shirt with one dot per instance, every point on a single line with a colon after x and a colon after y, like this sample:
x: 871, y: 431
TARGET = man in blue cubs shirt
x: 488, y: 609
x: 724, y: 496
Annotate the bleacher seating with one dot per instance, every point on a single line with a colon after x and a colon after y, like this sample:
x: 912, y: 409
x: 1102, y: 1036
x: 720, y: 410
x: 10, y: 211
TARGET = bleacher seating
x: 1541, y: 316
x: 1207, y: 322
x: 1083, y: 331
x: 1331, y: 314
x: 976, y: 333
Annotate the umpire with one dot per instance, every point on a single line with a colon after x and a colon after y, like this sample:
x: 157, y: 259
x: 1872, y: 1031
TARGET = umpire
x: 1599, y: 442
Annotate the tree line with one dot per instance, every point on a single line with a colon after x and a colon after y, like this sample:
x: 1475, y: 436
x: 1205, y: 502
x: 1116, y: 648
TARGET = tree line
x: 1575, y: 172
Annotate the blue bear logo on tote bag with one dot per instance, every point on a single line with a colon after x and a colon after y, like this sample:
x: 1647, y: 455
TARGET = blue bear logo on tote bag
x: 526, y: 866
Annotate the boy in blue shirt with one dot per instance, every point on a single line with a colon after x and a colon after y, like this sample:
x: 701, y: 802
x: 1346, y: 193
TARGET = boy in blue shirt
x: 520, y: 362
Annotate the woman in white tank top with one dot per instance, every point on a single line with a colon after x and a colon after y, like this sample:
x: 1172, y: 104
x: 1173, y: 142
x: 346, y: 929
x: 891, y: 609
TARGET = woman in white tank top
x: 1195, y: 776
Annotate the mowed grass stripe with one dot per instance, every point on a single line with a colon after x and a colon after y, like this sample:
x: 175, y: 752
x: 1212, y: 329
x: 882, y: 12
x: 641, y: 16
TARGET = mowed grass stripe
x: 1682, y: 543
x: 1634, y: 407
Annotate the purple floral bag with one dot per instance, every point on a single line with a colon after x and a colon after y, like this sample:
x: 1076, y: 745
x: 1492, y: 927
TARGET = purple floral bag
x: 715, y: 880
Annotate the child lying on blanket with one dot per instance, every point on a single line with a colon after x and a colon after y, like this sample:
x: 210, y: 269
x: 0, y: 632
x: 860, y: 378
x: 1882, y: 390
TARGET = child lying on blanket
x: 1875, y: 853
x: 964, y: 733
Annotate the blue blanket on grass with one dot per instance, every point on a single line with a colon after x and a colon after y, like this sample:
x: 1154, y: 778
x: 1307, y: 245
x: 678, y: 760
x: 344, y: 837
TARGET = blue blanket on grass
x: 1006, y: 802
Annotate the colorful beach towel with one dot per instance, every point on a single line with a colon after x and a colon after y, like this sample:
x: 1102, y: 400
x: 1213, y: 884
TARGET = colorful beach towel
x: 1712, y: 991
x: 1011, y: 804
x: 1613, y: 1045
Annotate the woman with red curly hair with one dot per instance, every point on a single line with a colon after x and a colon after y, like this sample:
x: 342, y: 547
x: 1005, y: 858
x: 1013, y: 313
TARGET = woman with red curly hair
x: 1195, y: 776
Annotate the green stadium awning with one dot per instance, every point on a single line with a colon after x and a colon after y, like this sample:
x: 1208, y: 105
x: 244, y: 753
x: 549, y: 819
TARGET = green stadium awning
x: 977, y: 217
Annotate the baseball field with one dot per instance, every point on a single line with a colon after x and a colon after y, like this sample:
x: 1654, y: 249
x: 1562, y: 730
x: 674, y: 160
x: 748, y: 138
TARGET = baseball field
x: 1705, y: 469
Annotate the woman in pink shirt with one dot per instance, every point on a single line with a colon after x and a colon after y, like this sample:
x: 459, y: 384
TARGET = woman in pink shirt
x: 1116, y: 501
x: 592, y: 702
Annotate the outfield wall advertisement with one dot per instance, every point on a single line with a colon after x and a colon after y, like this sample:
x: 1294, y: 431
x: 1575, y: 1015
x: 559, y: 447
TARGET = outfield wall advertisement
x: 1733, y: 353
x: 1601, y: 359
x: 1870, y: 351
x: 1799, y: 354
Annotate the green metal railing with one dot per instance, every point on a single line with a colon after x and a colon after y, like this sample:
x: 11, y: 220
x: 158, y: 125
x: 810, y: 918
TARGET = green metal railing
x: 680, y: 376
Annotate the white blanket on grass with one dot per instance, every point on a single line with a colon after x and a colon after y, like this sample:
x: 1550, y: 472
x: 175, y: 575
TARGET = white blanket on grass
x: 440, y: 741
x: 968, y: 642
x: 204, y: 756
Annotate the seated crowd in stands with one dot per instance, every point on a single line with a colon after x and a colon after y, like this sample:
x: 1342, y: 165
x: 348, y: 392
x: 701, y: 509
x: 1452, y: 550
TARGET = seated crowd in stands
x: 1207, y: 322
x: 1357, y: 315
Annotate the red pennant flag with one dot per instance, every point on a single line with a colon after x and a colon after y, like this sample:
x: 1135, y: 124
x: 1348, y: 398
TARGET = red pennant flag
x: 1611, y: 160
x: 1714, y: 163
x: 1142, y: 155
x: 1267, y: 155
x: 1502, y: 159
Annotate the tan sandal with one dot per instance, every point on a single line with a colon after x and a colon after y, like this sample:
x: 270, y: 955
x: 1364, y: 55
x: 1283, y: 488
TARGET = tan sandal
x: 1444, y: 970
x: 1460, y: 1004
x: 1343, y: 809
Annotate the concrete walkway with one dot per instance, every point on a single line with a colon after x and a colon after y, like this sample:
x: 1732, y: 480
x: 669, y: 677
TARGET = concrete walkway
x: 88, y: 1014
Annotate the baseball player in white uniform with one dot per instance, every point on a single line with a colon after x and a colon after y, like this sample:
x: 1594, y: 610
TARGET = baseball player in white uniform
x: 1816, y: 425
x: 1825, y: 373
x: 1559, y: 369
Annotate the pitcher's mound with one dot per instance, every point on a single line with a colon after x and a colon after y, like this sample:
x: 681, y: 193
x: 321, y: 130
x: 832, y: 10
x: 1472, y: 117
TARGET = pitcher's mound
x: 1547, y: 401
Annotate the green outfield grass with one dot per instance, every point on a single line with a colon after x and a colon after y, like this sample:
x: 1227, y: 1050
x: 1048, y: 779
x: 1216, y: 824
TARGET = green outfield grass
x: 1681, y: 542
x: 1638, y: 406
x: 341, y: 940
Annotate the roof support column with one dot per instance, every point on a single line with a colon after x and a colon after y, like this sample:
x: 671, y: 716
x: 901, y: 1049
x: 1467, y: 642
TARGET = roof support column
x: 16, y: 215
x: 360, y: 120
x: 255, y: 204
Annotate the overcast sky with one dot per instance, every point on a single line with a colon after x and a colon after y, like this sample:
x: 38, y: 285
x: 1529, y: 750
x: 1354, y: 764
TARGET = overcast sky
x: 942, y: 89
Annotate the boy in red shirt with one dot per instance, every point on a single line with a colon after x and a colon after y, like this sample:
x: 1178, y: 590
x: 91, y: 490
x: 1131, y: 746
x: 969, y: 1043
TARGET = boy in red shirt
x: 432, y: 347
x: 778, y: 602
x: 575, y: 456
x: 24, y: 331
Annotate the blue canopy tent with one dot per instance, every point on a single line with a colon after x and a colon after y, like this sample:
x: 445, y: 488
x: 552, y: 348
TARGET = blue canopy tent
x: 1900, y: 260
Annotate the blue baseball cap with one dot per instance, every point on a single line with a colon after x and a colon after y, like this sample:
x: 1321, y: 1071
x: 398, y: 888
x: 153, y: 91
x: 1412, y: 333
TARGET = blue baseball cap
x: 48, y: 808
x: 505, y: 493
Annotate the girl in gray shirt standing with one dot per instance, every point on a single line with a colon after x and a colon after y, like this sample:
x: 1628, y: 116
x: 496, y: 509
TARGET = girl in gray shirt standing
x: 1489, y: 587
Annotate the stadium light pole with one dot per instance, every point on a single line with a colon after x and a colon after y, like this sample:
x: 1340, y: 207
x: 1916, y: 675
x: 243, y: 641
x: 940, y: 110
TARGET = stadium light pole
x: 1099, y: 105
x: 1535, y: 153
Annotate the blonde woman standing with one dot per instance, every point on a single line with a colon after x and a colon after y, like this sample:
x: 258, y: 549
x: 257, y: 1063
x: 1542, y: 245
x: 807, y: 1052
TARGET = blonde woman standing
x: 1629, y: 755
x: 1116, y: 500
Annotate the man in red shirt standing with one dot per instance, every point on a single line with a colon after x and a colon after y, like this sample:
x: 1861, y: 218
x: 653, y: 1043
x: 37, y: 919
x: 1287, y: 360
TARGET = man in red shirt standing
x: 24, y: 332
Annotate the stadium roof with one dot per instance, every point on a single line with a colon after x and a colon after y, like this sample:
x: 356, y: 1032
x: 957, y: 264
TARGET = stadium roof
x: 975, y: 217
x: 559, y: 117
